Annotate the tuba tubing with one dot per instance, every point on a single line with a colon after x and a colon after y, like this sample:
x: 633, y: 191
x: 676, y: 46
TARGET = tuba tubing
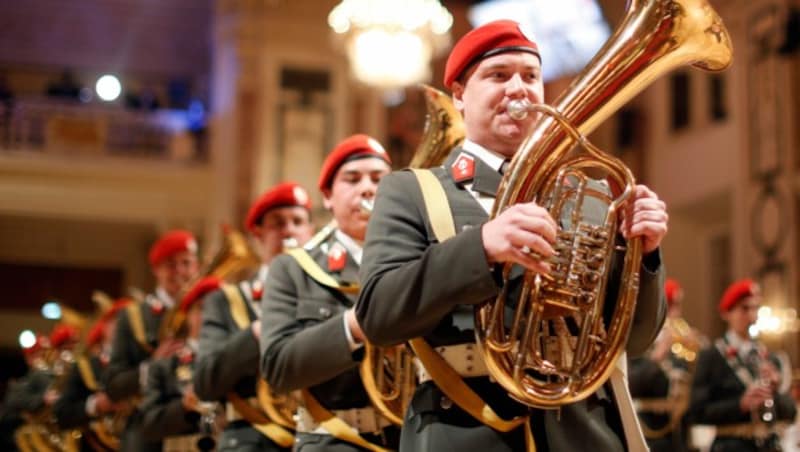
x: 540, y: 359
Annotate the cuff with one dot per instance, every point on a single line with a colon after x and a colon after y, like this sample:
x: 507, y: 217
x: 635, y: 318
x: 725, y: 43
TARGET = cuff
x: 350, y: 341
x: 91, y: 405
x: 144, y: 368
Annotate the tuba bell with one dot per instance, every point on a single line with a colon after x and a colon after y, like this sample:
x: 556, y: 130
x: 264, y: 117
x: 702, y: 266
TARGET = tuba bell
x: 562, y: 343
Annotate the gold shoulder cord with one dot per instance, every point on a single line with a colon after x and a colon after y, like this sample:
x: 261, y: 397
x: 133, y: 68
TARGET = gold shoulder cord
x: 448, y: 380
x: 137, y: 325
x: 258, y: 420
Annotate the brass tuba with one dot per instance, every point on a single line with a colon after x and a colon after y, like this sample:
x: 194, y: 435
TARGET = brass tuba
x: 560, y: 346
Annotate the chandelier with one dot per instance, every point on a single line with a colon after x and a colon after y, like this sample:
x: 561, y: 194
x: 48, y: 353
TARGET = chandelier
x: 390, y: 43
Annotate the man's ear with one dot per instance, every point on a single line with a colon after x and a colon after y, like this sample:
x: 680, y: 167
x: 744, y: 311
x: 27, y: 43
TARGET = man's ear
x: 326, y: 198
x: 458, y: 93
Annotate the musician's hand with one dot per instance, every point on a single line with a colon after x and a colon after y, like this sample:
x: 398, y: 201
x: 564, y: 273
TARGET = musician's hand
x: 50, y: 397
x: 189, y: 400
x: 355, y: 328
x: 661, y: 347
x: 645, y: 217
x: 770, y: 374
x: 103, y: 404
x: 167, y: 348
x: 754, y: 397
x: 521, y: 229
x: 255, y: 327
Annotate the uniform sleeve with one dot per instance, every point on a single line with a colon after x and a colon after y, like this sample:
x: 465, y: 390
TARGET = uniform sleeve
x: 70, y: 408
x: 226, y: 355
x: 163, y: 413
x: 409, y: 285
x: 651, y: 306
x: 298, y: 351
x: 122, y: 374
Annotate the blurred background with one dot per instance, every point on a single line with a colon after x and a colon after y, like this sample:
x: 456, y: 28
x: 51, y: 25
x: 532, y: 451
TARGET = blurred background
x: 120, y: 119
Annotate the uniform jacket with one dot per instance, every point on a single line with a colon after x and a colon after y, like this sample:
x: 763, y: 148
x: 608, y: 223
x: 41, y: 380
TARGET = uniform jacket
x: 70, y: 409
x: 122, y: 378
x: 303, y: 338
x: 162, y: 409
x: 228, y: 355
x: 27, y: 393
x: 415, y: 286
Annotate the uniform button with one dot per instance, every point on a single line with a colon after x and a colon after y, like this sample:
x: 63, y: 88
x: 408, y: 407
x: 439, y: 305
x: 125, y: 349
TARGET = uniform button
x: 445, y: 403
x: 325, y: 312
x: 466, y: 227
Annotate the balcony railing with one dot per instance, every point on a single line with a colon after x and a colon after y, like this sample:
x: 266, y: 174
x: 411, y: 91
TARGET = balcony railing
x: 60, y: 128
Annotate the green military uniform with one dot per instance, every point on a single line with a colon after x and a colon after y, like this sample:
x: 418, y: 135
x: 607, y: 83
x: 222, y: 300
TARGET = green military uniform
x: 304, y: 343
x: 123, y: 378
x: 228, y: 362
x: 163, y: 413
x: 415, y: 286
x: 721, y: 379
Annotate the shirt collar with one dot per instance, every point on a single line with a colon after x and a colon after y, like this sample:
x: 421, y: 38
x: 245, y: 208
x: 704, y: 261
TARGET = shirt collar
x: 353, y: 248
x: 262, y: 273
x: 162, y: 295
x: 743, y: 346
x: 491, y: 159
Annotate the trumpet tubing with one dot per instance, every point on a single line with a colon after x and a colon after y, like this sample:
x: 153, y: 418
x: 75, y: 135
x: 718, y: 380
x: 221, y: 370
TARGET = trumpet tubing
x: 565, y: 336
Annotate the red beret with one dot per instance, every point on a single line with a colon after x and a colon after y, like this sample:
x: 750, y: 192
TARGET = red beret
x: 673, y: 291
x: 196, y: 293
x: 737, y: 292
x: 489, y: 39
x: 171, y: 243
x: 356, y: 145
x: 286, y: 194
x: 63, y: 333
x: 96, y: 332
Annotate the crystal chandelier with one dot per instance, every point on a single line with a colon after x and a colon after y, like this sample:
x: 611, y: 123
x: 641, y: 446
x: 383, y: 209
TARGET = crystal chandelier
x: 390, y: 43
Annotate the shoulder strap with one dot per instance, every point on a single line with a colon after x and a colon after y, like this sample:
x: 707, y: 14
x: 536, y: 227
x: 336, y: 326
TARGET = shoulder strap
x: 137, y: 325
x: 316, y: 272
x: 237, y: 305
x: 86, y: 372
x: 436, y: 204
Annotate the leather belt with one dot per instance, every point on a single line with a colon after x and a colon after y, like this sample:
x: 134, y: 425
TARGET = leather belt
x: 231, y: 415
x: 363, y: 420
x: 750, y: 430
x: 182, y: 443
x: 465, y: 359
x: 658, y: 406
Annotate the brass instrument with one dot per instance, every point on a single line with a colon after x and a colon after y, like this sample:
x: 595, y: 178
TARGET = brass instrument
x: 558, y: 349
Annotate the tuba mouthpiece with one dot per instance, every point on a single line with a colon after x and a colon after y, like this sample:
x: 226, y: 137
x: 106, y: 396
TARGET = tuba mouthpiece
x: 518, y: 109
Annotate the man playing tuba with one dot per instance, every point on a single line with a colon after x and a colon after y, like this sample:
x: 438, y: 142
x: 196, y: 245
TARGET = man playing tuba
x: 228, y: 357
x: 415, y: 285
x: 309, y: 339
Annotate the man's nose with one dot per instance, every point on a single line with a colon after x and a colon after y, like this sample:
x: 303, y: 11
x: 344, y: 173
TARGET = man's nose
x: 515, y: 85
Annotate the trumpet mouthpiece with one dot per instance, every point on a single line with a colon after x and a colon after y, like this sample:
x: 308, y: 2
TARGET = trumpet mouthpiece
x: 518, y: 109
